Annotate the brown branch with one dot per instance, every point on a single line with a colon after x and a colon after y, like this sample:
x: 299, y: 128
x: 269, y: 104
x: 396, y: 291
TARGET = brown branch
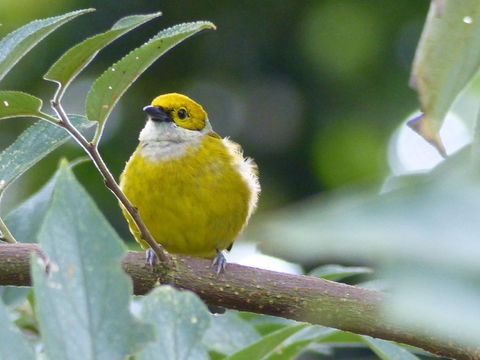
x: 92, y: 151
x: 302, y: 298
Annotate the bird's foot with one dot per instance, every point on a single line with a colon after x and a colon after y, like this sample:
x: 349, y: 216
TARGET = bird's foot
x: 151, y: 257
x: 219, y: 262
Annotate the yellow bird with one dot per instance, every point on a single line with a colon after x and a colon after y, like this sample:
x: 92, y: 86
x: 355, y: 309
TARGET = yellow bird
x: 194, y: 190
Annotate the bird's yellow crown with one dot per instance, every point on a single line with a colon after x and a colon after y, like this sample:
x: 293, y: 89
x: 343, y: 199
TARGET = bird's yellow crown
x: 184, y: 112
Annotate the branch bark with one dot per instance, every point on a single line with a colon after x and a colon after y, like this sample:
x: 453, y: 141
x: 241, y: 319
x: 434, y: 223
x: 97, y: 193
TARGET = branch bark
x: 301, y: 298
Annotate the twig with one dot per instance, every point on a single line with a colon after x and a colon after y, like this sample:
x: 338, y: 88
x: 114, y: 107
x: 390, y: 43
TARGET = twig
x: 92, y: 151
x: 5, y: 234
x: 302, y: 298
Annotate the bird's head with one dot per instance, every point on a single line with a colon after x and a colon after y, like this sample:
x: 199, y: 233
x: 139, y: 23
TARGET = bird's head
x: 178, y: 109
x: 174, y: 117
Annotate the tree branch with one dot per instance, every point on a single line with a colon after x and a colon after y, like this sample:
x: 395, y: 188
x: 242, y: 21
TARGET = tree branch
x: 302, y: 298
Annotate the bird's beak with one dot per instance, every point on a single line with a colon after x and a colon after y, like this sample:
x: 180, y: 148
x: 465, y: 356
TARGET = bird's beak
x: 157, y: 113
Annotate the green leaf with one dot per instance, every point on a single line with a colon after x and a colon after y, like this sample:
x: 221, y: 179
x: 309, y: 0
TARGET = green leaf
x: 19, y: 42
x: 213, y: 355
x: 339, y: 337
x: 267, y: 327
x: 447, y: 57
x: 407, y: 224
x: 219, y: 335
x: 338, y: 272
x: 33, y: 145
x: 83, y: 301
x: 180, y: 320
x: 267, y: 345
x: 386, y: 350
x: 290, y: 351
x: 13, y: 345
x: 19, y: 104
x: 108, y: 88
x: 429, y: 293
x: 34, y: 209
x: 299, y: 342
x: 70, y: 64
x: 266, y: 324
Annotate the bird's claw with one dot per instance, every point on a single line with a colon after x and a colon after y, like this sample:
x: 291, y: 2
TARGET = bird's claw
x: 151, y: 257
x: 219, y: 262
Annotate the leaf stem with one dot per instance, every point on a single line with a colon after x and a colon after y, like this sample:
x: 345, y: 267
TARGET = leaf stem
x: 5, y: 234
x: 92, y: 151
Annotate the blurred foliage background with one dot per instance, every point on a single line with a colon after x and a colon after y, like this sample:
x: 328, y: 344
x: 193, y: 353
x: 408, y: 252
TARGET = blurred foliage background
x: 312, y: 89
x: 317, y: 93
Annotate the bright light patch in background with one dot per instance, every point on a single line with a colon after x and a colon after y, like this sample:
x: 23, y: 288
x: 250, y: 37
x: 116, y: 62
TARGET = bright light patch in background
x: 246, y: 253
x: 409, y: 152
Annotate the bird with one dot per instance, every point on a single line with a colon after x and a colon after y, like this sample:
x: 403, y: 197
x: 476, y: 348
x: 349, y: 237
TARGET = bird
x: 194, y: 190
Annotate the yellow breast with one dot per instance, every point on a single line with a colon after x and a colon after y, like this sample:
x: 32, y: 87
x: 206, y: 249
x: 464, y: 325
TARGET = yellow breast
x: 194, y: 203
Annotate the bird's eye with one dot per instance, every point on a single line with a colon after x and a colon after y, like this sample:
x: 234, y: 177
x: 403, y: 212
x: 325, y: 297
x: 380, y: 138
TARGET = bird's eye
x: 182, y: 113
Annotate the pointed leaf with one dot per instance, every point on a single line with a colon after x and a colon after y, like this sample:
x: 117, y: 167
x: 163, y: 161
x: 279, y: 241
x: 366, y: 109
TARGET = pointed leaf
x: 267, y: 345
x: 19, y: 42
x: 447, y: 57
x: 13, y: 345
x: 78, y: 57
x: 108, y: 88
x: 338, y: 272
x: 83, y: 302
x: 386, y: 350
x: 16, y: 104
x: 180, y: 320
x: 33, y: 145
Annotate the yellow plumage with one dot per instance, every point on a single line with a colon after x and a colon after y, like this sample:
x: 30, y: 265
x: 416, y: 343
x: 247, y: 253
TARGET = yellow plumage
x: 193, y: 189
